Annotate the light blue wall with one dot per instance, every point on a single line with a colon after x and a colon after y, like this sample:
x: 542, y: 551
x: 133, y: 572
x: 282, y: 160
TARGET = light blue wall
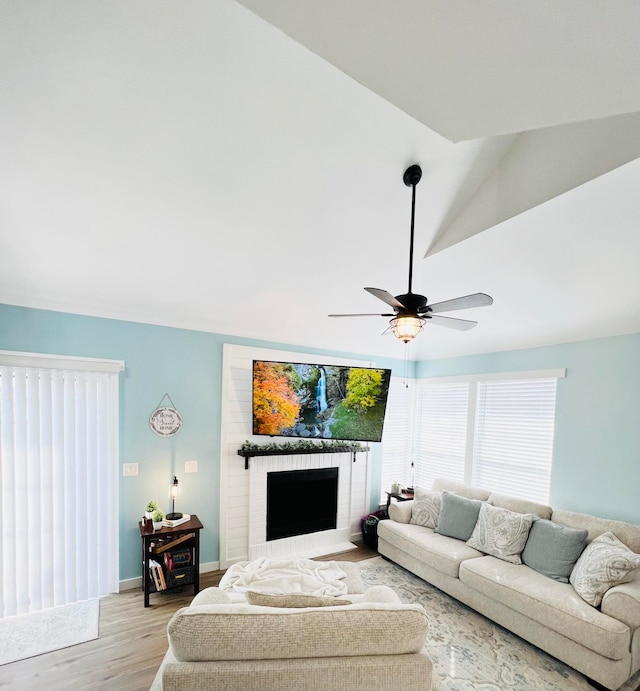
x: 597, y: 451
x: 596, y: 467
x: 187, y: 365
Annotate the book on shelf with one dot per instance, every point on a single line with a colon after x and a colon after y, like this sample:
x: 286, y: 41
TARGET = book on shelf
x: 157, y: 575
x: 177, y: 559
x: 162, y: 546
x: 178, y: 521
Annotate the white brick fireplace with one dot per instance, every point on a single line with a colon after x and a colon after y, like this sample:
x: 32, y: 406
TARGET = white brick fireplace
x: 243, y: 492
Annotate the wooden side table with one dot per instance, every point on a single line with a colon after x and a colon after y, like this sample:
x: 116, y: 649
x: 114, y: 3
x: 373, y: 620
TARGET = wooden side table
x: 184, y: 536
x: 399, y: 496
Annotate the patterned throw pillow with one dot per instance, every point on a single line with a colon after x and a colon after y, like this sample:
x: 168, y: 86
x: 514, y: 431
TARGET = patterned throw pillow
x: 501, y: 533
x: 295, y: 600
x: 604, y: 563
x: 426, y: 508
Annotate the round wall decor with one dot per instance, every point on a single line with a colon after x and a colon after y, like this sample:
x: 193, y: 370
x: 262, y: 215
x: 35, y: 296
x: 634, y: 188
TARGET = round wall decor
x: 165, y: 421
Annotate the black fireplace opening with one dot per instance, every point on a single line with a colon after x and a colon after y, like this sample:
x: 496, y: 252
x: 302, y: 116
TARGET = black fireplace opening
x: 300, y: 502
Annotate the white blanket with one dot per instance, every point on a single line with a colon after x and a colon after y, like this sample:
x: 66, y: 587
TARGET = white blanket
x: 286, y: 576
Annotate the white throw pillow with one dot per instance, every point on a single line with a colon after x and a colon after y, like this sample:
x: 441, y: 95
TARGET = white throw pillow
x: 604, y: 563
x: 426, y: 508
x: 501, y: 533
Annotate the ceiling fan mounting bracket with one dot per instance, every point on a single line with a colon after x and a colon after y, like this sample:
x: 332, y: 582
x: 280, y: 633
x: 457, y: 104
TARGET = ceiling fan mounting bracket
x: 412, y: 175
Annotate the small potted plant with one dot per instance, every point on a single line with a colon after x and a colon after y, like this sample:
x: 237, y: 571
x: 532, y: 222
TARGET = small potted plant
x: 150, y: 508
x: 157, y: 518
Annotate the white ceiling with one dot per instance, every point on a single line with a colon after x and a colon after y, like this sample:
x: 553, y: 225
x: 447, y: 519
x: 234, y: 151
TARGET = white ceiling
x: 197, y: 164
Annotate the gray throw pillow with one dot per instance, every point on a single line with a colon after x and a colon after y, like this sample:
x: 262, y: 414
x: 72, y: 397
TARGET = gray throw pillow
x: 553, y: 549
x: 458, y: 516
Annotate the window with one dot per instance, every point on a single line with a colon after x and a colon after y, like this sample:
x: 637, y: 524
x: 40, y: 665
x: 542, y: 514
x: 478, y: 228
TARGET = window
x: 441, y: 431
x: 513, y: 445
x: 397, y: 437
x: 492, y: 431
x: 58, y: 481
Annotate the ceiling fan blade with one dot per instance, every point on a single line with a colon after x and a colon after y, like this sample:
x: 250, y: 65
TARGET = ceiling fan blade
x: 451, y: 322
x: 385, y: 296
x: 463, y: 303
x: 366, y: 314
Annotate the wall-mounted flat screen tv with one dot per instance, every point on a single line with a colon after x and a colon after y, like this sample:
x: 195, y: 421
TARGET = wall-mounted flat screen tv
x: 292, y: 399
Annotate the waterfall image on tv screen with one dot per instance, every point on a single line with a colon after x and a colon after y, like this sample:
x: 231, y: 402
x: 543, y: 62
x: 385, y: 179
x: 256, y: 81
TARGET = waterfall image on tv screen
x: 319, y: 401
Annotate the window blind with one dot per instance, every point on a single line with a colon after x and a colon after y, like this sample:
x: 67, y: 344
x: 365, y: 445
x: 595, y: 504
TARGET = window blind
x: 396, y: 437
x: 441, y: 431
x: 58, y: 486
x: 515, y: 424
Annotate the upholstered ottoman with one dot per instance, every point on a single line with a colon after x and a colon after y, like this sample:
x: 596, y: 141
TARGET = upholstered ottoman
x: 296, y: 642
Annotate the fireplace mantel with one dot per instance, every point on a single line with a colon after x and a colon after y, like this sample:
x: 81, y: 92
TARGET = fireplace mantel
x: 251, y: 453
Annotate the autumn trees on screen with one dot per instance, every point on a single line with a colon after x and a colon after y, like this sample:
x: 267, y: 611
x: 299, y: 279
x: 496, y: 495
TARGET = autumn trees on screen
x: 275, y: 404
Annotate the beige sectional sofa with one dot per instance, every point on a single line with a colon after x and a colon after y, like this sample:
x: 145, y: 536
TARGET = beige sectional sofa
x: 602, y: 642
x: 365, y: 642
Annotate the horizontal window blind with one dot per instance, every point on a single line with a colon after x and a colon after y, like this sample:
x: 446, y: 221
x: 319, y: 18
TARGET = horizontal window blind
x: 396, y: 437
x: 513, y: 449
x: 441, y: 431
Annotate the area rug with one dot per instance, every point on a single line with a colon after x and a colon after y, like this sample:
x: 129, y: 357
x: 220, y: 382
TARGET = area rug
x: 470, y: 652
x: 32, y: 634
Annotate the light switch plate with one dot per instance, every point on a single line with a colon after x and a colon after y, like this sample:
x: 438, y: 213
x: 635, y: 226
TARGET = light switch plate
x: 191, y: 466
x: 129, y: 469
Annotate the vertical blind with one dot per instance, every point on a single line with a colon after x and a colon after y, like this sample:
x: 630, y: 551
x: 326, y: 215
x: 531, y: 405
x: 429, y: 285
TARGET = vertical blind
x: 58, y: 485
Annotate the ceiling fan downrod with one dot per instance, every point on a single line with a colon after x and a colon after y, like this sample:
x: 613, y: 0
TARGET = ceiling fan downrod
x: 411, y: 178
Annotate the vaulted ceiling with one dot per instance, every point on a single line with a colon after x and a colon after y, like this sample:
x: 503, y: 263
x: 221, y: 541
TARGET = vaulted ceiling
x: 237, y: 167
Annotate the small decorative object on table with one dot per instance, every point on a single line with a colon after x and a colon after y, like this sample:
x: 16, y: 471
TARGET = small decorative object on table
x: 150, y: 508
x: 174, y: 491
x: 158, y: 517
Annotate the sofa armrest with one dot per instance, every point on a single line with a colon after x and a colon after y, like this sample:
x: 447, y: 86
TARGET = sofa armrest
x: 400, y: 511
x: 622, y: 602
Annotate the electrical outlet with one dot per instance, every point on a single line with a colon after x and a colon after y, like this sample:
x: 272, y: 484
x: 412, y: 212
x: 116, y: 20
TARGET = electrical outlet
x: 129, y: 469
x: 191, y: 466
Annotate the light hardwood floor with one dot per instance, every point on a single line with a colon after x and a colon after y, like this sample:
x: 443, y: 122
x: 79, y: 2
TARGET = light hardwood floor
x: 131, y: 645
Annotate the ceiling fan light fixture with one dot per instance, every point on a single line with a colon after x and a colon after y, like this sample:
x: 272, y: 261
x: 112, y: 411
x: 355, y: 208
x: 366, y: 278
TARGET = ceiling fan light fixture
x: 406, y: 328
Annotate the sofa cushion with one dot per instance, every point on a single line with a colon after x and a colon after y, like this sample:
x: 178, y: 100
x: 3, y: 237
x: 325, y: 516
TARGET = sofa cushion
x: 627, y: 533
x: 501, y: 533
x: 442, y: 553
x: 604, y: 563
x: 458, y: 516
x: 247, y: 632
x: 292, y: 600
x: 553, y: 549
x: 548, y: 602
x: 426, y: 508
x: 505, y: 501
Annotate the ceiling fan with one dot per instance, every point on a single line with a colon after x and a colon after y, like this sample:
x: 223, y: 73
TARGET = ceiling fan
x: 412, y: 311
